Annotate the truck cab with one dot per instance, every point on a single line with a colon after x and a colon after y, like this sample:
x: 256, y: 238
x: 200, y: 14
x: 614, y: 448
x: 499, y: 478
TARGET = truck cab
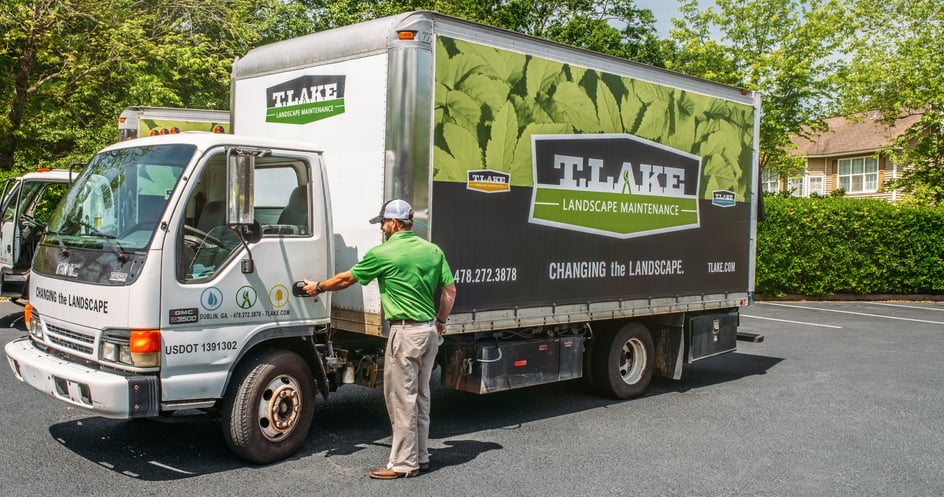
x: 151, y: 284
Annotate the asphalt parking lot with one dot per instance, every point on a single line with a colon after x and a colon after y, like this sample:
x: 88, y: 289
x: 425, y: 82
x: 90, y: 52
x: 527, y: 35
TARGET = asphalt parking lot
x: 840, y: 399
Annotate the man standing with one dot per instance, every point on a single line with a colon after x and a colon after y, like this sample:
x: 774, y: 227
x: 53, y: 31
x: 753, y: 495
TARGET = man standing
x: 409, y: 271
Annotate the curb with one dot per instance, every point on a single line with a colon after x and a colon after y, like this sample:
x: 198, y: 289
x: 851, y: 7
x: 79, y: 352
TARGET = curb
x: 849, y: 297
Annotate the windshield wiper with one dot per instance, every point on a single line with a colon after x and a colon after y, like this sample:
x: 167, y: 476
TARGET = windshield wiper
x: 65, y: 250
x: 115, y: 247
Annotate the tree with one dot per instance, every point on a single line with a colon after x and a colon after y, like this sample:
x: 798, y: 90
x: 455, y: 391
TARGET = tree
x: 921, y: 151
x: 70, y: 66
x: 783, y: 48
x: 895, y: 67
x: 616, y: 27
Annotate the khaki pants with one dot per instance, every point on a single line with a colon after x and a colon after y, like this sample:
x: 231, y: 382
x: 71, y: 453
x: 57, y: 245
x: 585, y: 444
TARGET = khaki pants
x: 408, y: 364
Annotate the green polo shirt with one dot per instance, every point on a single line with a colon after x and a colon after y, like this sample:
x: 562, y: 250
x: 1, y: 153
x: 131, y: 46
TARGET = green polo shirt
x: 409, y: 270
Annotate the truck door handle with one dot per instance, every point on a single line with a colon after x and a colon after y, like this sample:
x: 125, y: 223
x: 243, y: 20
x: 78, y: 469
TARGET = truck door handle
x: 298, y: 290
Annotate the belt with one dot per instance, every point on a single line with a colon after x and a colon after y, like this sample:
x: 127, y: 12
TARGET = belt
x: 406, y: 322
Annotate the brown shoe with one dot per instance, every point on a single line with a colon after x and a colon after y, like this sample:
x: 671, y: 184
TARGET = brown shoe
x: 389, y: 474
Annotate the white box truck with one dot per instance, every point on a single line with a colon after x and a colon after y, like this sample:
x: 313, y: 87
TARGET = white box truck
x: 598, y: 214
x: 141, y: 121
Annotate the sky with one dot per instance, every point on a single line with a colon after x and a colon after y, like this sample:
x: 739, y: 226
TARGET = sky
x: 664, y: 11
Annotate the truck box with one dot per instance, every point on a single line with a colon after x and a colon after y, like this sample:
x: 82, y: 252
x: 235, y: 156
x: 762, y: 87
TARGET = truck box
x: 563, y: 185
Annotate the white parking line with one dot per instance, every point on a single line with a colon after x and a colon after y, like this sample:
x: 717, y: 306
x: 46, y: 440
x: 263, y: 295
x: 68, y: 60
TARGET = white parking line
x: 941, y: 309
x: 161, y: 465
x: 794, y: 322
x: 854, y: 313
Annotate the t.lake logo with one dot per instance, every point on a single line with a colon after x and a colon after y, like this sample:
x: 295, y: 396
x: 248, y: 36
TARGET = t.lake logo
x: 615, y: 185
x: 488, y: 181
x: 305, y: 100
x: 723, y: 198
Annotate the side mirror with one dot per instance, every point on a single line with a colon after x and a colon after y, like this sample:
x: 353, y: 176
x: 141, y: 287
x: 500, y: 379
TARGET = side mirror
x: 240, y: 171
x: 252, y: 233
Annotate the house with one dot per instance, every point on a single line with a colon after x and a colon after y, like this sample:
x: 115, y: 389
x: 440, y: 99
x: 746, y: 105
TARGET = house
x: 845, y: 156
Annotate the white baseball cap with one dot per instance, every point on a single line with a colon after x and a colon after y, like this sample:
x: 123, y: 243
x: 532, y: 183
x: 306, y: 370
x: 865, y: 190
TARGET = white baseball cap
x: 394, y: 209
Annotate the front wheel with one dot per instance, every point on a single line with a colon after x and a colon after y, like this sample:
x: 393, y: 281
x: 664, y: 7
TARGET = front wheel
x: 269, y: 406
x: 623, y: 362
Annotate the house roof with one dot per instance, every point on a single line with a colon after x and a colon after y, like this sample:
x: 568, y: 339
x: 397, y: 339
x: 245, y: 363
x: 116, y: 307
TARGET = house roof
x: 847, y: 135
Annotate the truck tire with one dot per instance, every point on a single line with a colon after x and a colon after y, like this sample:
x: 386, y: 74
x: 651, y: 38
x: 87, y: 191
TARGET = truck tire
x: 587, y: 380
x: 269, y: 406
x: 623, y: 362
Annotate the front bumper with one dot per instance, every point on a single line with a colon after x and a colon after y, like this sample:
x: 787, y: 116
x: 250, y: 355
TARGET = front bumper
x: 108, y: 394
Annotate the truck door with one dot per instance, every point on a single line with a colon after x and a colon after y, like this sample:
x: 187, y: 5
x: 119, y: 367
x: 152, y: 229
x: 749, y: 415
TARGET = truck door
x: 219, y: 297
x: 26, y: 211
x: 7, y: 186
x: 9, y: 227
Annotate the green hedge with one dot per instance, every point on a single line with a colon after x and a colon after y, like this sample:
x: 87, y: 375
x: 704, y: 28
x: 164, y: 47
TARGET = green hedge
x: 834, y: 245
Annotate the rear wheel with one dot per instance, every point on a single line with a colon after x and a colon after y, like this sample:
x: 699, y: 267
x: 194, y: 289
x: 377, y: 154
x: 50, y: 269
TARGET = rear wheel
x: 269, y: 406
x: 623, y: 362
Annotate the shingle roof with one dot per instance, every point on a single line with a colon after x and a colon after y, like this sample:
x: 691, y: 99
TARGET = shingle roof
x: 862, y: 133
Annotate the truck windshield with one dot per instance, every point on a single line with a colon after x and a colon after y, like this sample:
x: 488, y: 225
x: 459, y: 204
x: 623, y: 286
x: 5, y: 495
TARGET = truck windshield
x: 118, y: 200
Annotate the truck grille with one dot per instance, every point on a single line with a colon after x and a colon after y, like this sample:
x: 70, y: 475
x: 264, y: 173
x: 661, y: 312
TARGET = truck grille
x: 70, y: 340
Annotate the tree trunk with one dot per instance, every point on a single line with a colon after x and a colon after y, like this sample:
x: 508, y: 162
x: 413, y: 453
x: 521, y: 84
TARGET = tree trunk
x: 21, y: 90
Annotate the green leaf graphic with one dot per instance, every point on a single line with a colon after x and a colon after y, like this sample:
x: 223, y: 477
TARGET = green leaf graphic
x: 461, y: 109
x: 529, y: 111
x: 504, y: 137
x: 631, y: 112
x: 577, y: 73
x: 451, y: 72
x: 485, y: 90
x: 540, y: 74
x: 571, y: 103
x: 608, y: 111
x: 480, y: 83
x: 655, y: 124
x: 447, y: 168
x: 521, y: 166
x: 463, y: 145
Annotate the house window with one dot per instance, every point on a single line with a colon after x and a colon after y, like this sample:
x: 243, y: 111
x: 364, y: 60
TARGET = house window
x: 795, y: 186
x: 858, y: 175
x: 804, y: 186
x: 769, y: 181
x: 816, y: 185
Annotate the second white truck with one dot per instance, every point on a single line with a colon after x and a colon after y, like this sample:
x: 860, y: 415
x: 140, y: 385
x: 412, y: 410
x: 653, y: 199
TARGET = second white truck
x: 598, y: 214
x: 27, y: 204
x: 141, y: 121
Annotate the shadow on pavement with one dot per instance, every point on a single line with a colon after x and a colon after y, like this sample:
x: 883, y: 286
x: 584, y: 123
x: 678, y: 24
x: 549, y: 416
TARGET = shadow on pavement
x: 355, y: 419
x: 11, y: 316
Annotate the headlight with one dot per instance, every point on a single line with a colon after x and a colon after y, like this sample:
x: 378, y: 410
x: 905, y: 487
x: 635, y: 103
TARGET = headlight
x: 115, y: 344
x: 125, y: 356
x: 31, y: 319
x: 109, y: 351
x: 138, y: 348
